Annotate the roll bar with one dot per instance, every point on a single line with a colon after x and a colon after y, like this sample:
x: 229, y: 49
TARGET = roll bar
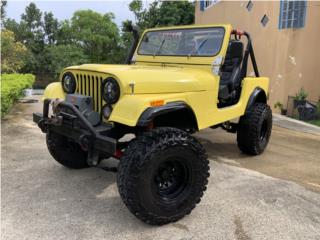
x: 248, y: 52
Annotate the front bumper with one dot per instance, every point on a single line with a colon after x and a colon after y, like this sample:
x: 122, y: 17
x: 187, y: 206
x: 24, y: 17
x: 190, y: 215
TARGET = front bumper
x: 74, y: 125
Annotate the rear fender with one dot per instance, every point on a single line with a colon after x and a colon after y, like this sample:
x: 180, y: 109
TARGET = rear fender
x: 257, y: 96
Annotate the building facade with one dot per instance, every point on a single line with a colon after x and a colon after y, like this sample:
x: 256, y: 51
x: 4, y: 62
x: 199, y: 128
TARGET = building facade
x: 286, y: 40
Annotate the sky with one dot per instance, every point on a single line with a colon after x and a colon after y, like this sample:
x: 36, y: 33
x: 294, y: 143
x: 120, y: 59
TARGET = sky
x: 65, y: 9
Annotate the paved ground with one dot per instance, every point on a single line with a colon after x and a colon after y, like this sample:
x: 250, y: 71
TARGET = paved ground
x: 272, y: 196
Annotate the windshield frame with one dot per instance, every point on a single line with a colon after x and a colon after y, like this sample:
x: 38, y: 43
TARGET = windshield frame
x: 181, y: 28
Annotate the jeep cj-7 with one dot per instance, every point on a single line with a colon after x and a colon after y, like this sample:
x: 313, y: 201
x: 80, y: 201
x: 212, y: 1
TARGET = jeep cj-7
x: 176, y: 81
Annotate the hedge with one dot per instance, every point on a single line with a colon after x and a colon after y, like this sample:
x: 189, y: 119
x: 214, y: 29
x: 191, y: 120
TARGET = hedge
x: 12, y: 86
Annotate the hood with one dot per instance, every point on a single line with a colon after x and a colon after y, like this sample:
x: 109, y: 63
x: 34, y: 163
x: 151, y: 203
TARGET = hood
x: 154, y: 79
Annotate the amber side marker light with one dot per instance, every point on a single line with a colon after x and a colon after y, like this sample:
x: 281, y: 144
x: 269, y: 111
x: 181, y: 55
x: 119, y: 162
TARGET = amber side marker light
x: 157, y: 103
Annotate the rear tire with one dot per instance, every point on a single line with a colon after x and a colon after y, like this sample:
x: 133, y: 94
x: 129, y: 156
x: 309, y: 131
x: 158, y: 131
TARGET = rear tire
x: 66, y: 152
x: 254, y: 129
x: 162, y: 175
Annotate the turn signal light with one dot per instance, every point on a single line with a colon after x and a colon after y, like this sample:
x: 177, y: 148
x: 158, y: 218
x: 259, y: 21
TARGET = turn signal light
x: 157, y: 103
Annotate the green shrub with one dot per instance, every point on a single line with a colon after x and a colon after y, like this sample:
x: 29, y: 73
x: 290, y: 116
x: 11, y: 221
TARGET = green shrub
x: 301, y: 95
x: 12, y: 86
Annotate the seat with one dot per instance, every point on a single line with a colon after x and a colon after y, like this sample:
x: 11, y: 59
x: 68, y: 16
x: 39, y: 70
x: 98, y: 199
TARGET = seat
x: 230, y: 79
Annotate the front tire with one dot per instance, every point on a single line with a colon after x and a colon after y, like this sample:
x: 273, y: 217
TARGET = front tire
x: 162, y: 175
x: 254, y: 129
x: 66, y: 152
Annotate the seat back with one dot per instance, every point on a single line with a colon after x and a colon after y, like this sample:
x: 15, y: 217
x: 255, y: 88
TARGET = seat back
x: 230, y: 70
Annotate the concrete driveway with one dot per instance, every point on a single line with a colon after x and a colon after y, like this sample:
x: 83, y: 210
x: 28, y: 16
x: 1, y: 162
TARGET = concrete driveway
x: 272, y: 196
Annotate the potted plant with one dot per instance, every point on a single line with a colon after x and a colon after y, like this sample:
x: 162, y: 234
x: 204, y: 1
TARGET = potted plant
x: 300, y: 98
x: 280, y: 106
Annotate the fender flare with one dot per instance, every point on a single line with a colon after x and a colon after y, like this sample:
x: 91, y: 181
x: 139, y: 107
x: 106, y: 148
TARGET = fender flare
x: 150, y: 113
x: 258, y: 95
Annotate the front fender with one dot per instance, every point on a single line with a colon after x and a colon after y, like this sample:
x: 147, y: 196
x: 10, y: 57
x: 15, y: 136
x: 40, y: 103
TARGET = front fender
x: 54, y: 90
x: 130, y: 108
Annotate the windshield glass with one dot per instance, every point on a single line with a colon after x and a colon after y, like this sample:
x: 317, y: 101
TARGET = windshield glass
x: 182, y: 42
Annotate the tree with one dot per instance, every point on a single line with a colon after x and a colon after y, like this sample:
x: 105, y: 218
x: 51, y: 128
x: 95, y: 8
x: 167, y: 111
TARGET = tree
x: 96, y: 34
x: 50, y: 27
x: 31, y: 20
x: 65, y: 33
x: 61, y: 56
x: 3, y: 11
x: 163, y: 13
x: 13, y: 53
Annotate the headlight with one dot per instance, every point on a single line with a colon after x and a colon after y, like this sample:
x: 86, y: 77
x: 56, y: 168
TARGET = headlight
x: 69, y: 83
x: 110, y: 90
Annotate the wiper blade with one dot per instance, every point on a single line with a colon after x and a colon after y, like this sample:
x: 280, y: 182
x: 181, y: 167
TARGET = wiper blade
x: 160, y: 47
x: 199, y: 47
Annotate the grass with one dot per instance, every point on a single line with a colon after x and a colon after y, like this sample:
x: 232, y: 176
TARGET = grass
x: 315, y: 122
x: 12, y: 86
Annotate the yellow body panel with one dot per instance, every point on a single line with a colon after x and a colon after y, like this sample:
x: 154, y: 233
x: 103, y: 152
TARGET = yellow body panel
x: 187, y: 79
x: 204, y: 104
x: 54, y: 90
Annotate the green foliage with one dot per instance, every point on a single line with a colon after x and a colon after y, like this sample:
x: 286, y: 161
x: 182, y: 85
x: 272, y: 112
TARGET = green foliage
x: 12, y: 86
x: 96, y: 34
x: 278, y: 105
x: 3, y: 11
x: 13, y: 53
x: 50, y: 28
x: 301, y: 95
x: 60, y: 56
x: 163, y: 13
x: 315, y: 122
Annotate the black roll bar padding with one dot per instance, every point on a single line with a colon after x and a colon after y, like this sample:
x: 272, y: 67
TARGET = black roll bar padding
x: 134, y: 44
x: 248, y: 52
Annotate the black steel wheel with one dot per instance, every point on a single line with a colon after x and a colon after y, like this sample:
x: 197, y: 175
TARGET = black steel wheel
x: 162, y: 175
x: 66, y: 152
x: 171, y: 179
x: 254, y: 129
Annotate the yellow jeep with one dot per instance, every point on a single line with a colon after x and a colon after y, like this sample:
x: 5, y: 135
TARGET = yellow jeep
x: 176, y: 81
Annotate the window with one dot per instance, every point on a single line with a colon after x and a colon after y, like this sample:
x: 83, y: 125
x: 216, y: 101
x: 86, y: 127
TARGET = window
x: 264, y: 20
x: 249, y: 6
x: 292, y: 14
x: 198, y: 42
x: 206, y: 4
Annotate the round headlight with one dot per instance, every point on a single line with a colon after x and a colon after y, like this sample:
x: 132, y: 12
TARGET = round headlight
x: 110, y: 90
x: 69, y: 83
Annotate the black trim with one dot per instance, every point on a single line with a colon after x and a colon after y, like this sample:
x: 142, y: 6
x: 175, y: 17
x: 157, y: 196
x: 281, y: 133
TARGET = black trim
x: 150, y: 113
x: 248, y: 52
x: 254, y: 97
x: 164, y: 30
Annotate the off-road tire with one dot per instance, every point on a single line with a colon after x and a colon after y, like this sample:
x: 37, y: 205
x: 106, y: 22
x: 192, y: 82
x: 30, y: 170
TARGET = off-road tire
x: 254, y: 129
x: 66, y: 152
x: 142, y: 160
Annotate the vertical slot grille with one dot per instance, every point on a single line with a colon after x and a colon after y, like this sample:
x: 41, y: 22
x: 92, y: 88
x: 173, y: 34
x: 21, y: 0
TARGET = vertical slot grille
x: 90, y: 85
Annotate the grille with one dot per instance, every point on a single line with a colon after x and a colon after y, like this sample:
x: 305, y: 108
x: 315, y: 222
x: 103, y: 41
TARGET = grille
x: 90, y: 85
